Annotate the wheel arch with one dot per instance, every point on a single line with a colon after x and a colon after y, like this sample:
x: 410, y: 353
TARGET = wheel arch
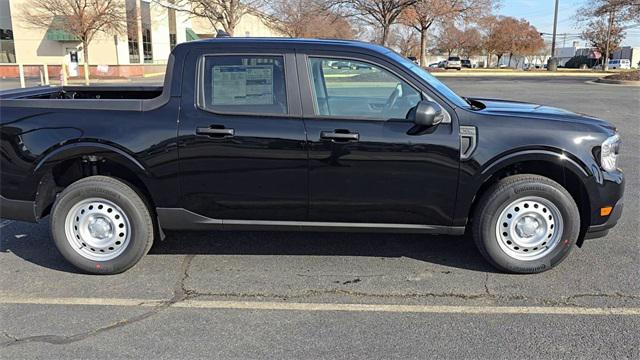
x: 565, y: 169
x: 69, y: 163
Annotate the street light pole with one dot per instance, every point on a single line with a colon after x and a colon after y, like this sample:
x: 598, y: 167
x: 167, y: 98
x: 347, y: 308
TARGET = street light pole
x: 605, y: 64
x: 552, y: 65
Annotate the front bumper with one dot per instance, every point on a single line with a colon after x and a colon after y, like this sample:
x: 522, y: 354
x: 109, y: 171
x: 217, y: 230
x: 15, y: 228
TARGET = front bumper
x: 601, y: 230
x: 21, y: 210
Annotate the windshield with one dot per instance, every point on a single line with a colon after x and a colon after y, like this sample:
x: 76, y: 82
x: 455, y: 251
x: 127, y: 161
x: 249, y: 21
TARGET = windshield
x: 454, y: 58
x: 429, y: 79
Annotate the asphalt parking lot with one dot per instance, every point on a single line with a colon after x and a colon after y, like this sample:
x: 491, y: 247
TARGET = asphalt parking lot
x: 234, y: 295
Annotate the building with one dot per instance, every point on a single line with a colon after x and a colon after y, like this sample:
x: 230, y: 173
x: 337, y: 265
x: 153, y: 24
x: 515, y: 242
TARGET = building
x: 152, y: 32
x: 628, y: 52
x: 564, y: 54
x: 249, y: 26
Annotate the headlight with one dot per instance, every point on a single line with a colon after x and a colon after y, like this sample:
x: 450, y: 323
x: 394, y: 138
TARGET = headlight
x: 609, y: 153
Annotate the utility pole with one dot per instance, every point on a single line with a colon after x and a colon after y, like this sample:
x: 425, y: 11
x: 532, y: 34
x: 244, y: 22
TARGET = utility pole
x: 552, y: 65
x: 605, y: 64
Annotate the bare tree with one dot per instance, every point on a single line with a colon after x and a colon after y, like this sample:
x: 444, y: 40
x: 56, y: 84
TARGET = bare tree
x: 380, y: 14
x: 82, y: 19
x: 596, y: 33
x: 617, y: 13
x: 306, y: 18
x: 527, y: 41
x: 496, y: 38
x: 471, y: 43
x: 406, y: 41
x: 225, y: 13
x: 449, y: 39
x: 508, y: 35
x: 423, y: 14
x: 463, y: 42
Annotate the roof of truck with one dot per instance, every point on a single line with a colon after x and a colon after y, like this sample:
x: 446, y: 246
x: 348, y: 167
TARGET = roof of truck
x: 291, y: 42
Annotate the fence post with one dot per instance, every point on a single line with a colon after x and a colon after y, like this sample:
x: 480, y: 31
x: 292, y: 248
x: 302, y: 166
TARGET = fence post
x: 21, y: 71
x: 46, y: 74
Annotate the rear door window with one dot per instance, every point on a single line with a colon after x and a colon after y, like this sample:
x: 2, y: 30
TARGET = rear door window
x: 243, y: 84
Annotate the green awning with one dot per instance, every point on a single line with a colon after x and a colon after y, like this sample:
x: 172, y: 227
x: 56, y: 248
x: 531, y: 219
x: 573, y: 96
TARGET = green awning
x: 60, y: 35
x: 191, y: 35
x: 55, y: 32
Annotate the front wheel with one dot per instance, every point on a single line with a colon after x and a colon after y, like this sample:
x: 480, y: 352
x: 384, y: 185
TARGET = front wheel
x: 526, y: 224
x: 101, y: 225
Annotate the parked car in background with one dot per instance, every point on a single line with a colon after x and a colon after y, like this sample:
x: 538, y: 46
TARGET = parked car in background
x: 453, y: 62
x: 467, y: 63
x: 619, y: 64
x: 253, y: 134
x: 434, y: 65
x: 341, y: 65
x: 360, y: 66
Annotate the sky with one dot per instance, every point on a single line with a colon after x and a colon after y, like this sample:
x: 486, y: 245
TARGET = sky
x: 540, y: 14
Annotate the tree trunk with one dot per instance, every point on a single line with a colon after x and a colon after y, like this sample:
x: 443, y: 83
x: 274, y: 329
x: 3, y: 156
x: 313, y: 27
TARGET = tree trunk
x: 229, y: 29
x: 499, y: 58
x: 510, y: 56
x: 385, y: 35
x: 85, y: 50
x: 423, y: 48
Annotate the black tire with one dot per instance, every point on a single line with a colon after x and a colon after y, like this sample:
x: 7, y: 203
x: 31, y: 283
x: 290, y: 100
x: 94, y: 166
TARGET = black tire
x: 141, y: 225
x: 497, y: 198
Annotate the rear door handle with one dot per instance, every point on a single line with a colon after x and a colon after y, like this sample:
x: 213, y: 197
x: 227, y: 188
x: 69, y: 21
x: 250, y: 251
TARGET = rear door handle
x: 339, y: 136
x: 215, y: 132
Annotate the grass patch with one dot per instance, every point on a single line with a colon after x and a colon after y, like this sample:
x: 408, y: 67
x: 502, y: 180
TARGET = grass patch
x: 626, y: 75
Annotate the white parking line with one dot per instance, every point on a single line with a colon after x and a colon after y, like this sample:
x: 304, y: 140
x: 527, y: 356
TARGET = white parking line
x: 296, y: 306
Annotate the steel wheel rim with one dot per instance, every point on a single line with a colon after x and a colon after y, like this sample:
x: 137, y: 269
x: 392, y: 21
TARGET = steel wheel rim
x: 97, y: 229
x: 529, y: 228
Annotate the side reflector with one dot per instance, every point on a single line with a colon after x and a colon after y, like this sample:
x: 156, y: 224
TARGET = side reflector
x: 605, y: 211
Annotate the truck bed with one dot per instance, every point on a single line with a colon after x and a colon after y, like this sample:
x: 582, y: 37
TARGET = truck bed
x: 83, y: 92
x: 128, y: 98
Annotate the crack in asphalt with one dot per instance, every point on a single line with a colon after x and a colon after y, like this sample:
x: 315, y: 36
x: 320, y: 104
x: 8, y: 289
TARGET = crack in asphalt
x: 179, y: 294
x: 182, y: 293
x: 7, y: 335
x: 486, y: 284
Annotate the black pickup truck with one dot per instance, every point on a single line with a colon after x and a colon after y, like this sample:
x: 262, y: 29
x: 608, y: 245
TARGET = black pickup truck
x: 268, y: 134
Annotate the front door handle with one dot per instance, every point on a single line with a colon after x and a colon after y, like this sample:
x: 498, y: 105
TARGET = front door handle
x: 339, y: 135
x: 216, y: 132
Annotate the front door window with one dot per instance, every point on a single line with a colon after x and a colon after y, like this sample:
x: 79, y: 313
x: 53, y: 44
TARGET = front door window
x: 355, y: 89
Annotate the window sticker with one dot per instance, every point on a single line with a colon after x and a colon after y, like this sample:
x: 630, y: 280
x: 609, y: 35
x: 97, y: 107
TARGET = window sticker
x: 242, y: 85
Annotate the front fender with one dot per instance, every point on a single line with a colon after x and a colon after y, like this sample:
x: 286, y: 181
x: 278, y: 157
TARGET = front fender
x: 474, y: 176
x: 557, y: 156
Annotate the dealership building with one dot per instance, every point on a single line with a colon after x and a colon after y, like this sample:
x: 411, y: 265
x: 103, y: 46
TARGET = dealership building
x: 152, y: 32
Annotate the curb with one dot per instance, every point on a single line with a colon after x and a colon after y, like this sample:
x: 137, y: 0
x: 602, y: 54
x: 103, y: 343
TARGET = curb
x: 618, y: 82
x: 153, y: 74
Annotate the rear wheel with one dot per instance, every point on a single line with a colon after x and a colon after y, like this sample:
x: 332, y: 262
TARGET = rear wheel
x: 101, y: 225
x: 526, y: 224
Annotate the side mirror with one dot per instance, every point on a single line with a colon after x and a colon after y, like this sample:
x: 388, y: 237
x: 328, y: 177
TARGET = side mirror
x: 427, y: 114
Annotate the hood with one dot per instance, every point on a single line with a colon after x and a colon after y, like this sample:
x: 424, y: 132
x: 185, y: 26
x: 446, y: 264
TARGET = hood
x: 522, y: 109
